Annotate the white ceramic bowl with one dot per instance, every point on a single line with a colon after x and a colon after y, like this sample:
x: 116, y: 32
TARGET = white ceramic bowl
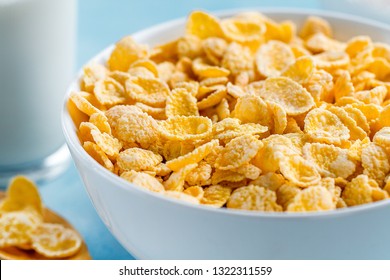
x: 151, y: 226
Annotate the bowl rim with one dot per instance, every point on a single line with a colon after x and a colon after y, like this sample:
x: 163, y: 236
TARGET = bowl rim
x: 69, y: 129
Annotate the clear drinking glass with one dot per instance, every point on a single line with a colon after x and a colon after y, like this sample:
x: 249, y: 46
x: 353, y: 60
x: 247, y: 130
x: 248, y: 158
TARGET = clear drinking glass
x: 37, y: 51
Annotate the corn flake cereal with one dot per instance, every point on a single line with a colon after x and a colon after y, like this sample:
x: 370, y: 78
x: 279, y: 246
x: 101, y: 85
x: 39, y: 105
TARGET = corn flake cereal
x: 243, y: 112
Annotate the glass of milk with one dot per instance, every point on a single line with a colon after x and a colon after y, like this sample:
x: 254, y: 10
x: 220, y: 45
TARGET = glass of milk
x: 37, y: 47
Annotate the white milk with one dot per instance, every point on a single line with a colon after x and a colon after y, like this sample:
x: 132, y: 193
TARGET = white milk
x: 37, y: 47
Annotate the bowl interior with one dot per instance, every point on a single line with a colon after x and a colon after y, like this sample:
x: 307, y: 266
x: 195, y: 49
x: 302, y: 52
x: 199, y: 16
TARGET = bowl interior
x: 344, y: 26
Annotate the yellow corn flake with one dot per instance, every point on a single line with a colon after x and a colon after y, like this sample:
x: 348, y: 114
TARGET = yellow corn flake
x: 330, y: 60
x: 254, y: 198
x: 176, y: 180
x: 186, y: 128
x: 137, y: 159
x: 200, y: 175
x: 109, y: 145
x: 238, y: 152
x: 361, y: 190
x: 182, y: 197
x: 243, y: 30
x: 301, y: 70
x: 109, y: 92
x: 290, y: 95
x: 202, y: 69
x: 213, y: 99
x: 329, y: 160
x: 355, y: 131
x: 384, y: 117
x: 97, y: 154
x: 299, y: 171
x: 252, y: 109
x: 22, y: 194
x: 193, y: 157
x: 270, y: 180
x: 374, y: 96
x: 55, y: 241
x: 223, y: 110
x: 357, y: 44
x: 150, y: 91
x: 220, y: 176
x: 215, y: 196
x: 319, y: 42
x: 343, y: 86
x: 382, y: 138
x: 312, y: 199
x: 195, y: 191
x: 375, y: 162
x: 250, y: 171
x: 203, y: 25
x: 80, y: 100
x: 238, y: 59
x: 214, y: 49
x: 189, y: 46
x: 148, y: 64
x: 209, y: 82
x: 273, y: 58
x: 93, y: 72
x: 355, y: 150
x: 279, y: 117
x: 180, y: 102
x: 101, y: 122
x: 380, y: 67
x: 320, y: 86
x: 358, y: 116
x: 145, y: 126
x: 315, y: 25
x: 126, y: 51
x: 324, y: 126
x: 156, y: 113
x: 144, y: 180
x: 292, y: 126
x: 16, y: 228
x: 286, y: 194
x: 275, y: 148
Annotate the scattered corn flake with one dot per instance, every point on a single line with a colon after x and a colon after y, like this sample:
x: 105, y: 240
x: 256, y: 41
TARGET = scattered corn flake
x: 203, y: 25
x: 93, y: 72
x: 101, y: 122
x: 273, y: 58
x: 315, y: 25
x: 55, y: 241
x: 193, y: 157
x: 250, y: 171
x: 223, y: 110
x: 97, y: 154
x: 213, y: 99
x: 253, y: 109
x: 202, y: 69
x: 144, y: 180
x: 220, y: 176
x: 195, y: 191
x: 375, y: 162
x: 312, y: 199
x: 138, y: 159
x: 156, y: 113
x: 238, y: 152
x: 150, y: 91
x: 215, y: 196
x: 16, y: 227
x: 254, y: 198
x: 301, y: 70
x: 299, y: 171
x: 359, y: 191
x: 329, y: 160
x: 176, y: 180
x: 242, y: 30
x: 80, y: 100
x: 180, y: 102
x: 126, y: 51
x: 109, y: 92
x: 320, y: 85
x: 324, y: 126
x: 269, y: 180
x: 186, y: 128
x: 200, y: 175
x: 22, y: 195
x: 288, y: 94
x: 279, y: 117
x: 357, y: 44
x: 286, y: 194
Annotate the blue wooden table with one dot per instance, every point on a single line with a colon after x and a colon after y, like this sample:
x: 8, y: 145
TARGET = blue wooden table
x: 102, y: 22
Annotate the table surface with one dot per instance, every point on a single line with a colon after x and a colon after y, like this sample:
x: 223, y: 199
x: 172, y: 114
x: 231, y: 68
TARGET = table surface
x: 102, y: 22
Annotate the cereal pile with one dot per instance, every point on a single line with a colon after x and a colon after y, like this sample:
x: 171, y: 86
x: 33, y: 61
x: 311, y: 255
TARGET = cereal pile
x: 244, y: 113
x: 23, y: 225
